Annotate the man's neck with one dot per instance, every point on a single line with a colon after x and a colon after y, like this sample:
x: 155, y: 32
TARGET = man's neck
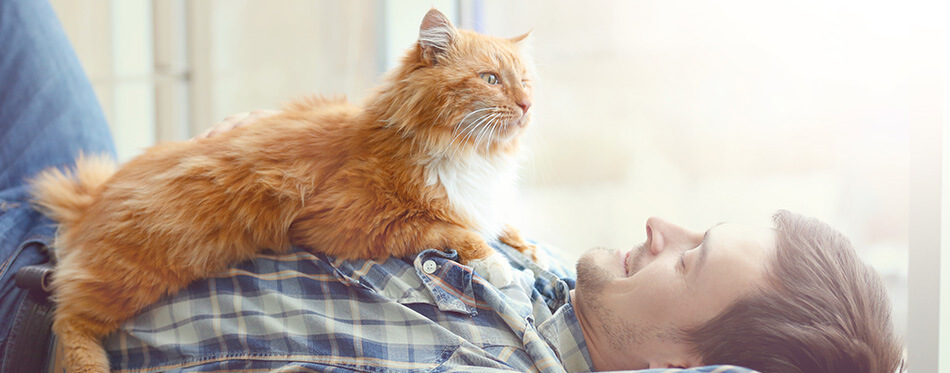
x: 563, y: 333
x: 599, y: 357
x: 594, y: 353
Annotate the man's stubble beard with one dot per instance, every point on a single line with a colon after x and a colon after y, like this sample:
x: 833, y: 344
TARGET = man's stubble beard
x: 592, y: 281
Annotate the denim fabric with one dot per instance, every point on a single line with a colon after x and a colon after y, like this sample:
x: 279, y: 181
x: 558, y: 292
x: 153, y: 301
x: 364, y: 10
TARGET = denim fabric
x: 48, y: 114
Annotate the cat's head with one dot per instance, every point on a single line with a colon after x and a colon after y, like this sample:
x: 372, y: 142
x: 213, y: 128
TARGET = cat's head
x: 463, y: 91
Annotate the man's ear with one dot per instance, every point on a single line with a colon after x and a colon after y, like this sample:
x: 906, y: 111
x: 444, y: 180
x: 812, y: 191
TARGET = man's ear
x: 436, y: 34
x: 677, y: 364
x: 678, y: 356
x: 687, y: 362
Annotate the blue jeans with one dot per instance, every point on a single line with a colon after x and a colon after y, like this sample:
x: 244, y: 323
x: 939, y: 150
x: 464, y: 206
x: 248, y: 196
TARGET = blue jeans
x: 48, y: 114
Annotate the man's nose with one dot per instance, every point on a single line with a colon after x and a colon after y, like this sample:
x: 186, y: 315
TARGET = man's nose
x: 663, y: 235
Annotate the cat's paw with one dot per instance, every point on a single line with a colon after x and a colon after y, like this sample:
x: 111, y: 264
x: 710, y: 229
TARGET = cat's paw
x: 494, y: 268
x: 541, y: 258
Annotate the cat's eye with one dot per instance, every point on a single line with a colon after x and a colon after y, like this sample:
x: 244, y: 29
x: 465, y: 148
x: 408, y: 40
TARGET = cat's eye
x: 489, y: 78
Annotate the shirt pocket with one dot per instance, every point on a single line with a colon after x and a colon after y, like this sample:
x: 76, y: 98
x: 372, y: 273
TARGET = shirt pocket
x: 432, y: 278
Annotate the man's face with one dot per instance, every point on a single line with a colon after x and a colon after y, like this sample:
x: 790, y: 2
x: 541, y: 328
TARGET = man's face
x: 633, y: 305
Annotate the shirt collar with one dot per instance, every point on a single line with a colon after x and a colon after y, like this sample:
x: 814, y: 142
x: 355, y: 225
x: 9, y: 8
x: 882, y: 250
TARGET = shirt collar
x: 563, y: 333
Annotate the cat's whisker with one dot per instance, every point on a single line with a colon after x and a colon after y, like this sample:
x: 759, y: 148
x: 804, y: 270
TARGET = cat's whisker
x: 470, y: 114
x: 478, y: 131
x: 459, y: 129
x: 491, y: 132
x: 464, y: 132
x: 453, y: 148
x: 502, y: 120
x: 483, y: 130
x: 480, y: 123
x: 474, y: 128
x: 507, y: 119
x: 474, y: 123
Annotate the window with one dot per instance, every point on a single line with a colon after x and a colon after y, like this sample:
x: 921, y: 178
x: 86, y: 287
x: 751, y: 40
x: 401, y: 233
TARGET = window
x: 698, y: 112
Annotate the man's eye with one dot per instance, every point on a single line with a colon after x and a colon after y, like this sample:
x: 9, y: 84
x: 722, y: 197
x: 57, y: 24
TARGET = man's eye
x: 489, y: 78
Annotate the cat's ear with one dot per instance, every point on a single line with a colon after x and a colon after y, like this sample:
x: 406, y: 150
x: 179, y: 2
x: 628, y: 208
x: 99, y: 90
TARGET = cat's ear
x: 435, y: 35
x: 524, y: 43
x: 521, y: 39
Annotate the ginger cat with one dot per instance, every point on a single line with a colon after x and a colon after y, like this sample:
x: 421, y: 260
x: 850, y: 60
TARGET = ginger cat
x: 417, y: 167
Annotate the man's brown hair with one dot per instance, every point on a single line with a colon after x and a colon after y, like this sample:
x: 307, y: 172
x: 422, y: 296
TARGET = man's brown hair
x: 824, y: 310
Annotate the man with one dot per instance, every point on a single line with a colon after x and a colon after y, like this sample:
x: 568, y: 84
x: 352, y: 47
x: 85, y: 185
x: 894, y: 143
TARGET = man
x: 737, y: 298
x: 749, y: 296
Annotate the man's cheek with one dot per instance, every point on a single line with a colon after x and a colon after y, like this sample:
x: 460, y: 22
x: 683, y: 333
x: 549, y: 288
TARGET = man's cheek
x: 653, y: 288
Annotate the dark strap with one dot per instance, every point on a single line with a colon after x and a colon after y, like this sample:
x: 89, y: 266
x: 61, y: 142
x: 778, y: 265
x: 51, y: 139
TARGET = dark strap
x: 35, y: 279
x: 29, y: 340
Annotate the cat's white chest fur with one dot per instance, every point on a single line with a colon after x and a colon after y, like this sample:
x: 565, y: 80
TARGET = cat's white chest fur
x: 475, y: 185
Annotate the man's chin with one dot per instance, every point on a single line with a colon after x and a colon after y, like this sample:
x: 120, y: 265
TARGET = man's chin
x: 596, y: 268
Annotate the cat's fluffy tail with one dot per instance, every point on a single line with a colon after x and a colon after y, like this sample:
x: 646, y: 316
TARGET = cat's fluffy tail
x: 65, y: 196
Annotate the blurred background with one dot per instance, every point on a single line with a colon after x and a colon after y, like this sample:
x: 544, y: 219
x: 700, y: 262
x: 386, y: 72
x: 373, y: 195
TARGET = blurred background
x: 698, y: 112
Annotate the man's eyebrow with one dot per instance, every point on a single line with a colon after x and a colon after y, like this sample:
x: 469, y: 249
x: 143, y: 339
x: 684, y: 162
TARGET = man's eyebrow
x: 704, y: 249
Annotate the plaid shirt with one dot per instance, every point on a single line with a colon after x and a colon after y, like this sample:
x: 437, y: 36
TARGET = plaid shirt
x: 303, y: 312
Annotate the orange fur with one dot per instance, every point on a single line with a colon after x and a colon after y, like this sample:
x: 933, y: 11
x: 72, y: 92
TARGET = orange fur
x: 386, y: 179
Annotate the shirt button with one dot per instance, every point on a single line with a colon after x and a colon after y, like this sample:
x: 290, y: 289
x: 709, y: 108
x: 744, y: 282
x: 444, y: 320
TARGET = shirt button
x: 429, y: 266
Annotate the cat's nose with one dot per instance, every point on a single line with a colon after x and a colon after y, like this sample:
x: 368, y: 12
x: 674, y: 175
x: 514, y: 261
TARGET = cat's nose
x: 524, y: 105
